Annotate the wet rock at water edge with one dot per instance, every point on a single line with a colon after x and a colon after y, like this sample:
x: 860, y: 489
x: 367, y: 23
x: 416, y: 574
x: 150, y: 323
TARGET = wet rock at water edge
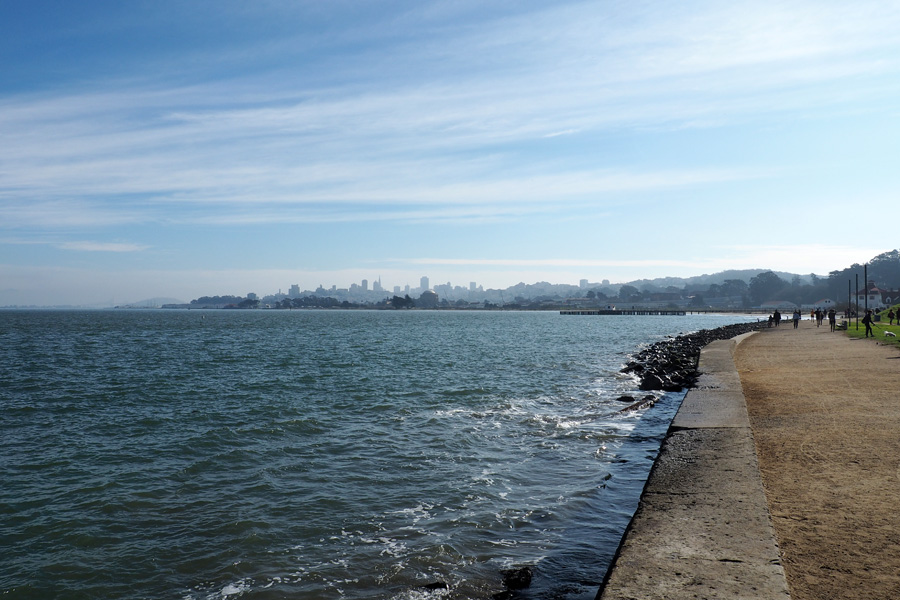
x: 671, y: 365
x: 645, y: 402
x: 517, y: 579
x: 437, y: 585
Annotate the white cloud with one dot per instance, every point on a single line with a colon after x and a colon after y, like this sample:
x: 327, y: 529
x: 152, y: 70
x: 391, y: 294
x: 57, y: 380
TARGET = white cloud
x: 703, y: 65
x: 520, y: 114
x: 88, y: 246
x: 796, y: 258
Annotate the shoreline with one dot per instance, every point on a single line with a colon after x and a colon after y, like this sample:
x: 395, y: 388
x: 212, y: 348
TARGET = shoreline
x: 824, y: 414
x: 702, y: 527
x: 672, y: 364
x: 764, y: 445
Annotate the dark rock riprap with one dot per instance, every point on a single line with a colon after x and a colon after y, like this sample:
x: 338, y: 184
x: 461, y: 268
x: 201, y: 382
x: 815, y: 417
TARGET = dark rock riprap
x: 671, y: 365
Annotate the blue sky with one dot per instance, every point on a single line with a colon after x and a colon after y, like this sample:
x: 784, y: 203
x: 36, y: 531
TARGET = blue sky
x: 182, y: 149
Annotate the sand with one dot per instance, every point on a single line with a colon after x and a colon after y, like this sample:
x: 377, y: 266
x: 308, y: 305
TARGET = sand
x: 825, y: 416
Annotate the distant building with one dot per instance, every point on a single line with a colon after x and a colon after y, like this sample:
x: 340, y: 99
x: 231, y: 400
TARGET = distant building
x: 823, y: 304
x: 423, y: 283
x: 365, y: 285
x: 428, y: 299
x: 877, y: 298
x: 778, y: 304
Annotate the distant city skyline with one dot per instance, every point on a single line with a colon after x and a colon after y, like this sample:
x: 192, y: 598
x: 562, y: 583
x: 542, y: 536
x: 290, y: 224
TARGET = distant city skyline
x: 180, y: 149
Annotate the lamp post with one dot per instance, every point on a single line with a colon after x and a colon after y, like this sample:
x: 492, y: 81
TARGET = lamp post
x: 866, y: 277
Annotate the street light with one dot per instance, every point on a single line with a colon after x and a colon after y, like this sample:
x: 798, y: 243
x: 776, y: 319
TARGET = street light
x: 866, y: 277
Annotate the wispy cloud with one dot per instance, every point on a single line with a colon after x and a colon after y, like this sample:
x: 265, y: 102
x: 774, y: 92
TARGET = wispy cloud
x: 88, y: 246
x: 797, y: 258
x: 140, y: 149
x: 615, y: 139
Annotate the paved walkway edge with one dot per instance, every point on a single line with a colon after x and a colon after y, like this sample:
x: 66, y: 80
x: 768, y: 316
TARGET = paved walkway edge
x: 702, y: 528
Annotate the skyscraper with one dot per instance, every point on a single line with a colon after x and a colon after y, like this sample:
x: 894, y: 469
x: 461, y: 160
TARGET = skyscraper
x: 423, y: 283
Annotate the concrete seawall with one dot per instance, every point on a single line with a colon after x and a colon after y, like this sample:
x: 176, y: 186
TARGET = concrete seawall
x: 702, y: 528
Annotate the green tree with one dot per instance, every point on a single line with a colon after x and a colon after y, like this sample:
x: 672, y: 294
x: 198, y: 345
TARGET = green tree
x: 629, y: 293
x: 735, y: 287
x: 766, y: 286
x: 884, y: 269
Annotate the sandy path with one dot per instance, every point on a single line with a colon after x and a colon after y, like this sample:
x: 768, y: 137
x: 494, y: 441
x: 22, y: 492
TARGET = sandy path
x: 825, y: 415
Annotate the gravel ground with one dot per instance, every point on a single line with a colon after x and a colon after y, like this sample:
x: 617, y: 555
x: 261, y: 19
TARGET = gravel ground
x: 825, y: 416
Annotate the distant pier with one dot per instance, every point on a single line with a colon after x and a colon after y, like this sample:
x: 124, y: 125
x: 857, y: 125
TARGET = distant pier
x: 633, y: 311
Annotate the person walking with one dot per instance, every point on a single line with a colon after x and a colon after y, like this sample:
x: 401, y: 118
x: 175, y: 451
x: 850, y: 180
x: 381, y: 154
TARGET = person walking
x: 867, y: 321
x: 796, y: 318
x: 832, y: 319
x: 891, y: 316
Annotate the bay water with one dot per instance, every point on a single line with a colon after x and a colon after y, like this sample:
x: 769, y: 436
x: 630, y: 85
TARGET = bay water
x: 319, y: 455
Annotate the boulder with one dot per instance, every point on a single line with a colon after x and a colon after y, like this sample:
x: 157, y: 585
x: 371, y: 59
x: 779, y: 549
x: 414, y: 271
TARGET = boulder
x: 518, y: 578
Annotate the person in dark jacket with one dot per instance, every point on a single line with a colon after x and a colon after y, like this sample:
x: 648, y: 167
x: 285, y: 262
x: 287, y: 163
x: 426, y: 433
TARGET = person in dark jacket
x: 867, y: 321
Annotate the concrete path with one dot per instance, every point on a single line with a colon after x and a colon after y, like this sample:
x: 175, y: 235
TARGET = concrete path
x: 702, y: 529
x: 825, y: 414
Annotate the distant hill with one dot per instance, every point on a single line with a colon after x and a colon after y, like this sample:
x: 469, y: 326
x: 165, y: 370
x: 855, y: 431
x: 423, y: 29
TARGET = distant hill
x: 713, y: 278
x: 152, y: 303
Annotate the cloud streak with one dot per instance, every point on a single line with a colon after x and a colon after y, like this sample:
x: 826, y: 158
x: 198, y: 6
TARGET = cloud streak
x: 159, y: 147
x: 88, y: 246
x: 801, y: 258
x: 309, y: 137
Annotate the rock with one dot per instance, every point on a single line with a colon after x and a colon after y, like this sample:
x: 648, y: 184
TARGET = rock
x: 671, y: 386
x: 652, y: 381
x: 437, y: 585
x: 517, y: 579
x: 625, y: 399
x: 645, y: 402
x: 671, y: 365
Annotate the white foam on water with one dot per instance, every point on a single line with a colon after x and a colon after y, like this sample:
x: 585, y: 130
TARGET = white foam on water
x: 233, y: 589
x: 422, y: 511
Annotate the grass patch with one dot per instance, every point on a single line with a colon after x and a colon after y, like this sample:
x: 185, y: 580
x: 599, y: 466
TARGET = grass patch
x: 879, y: 328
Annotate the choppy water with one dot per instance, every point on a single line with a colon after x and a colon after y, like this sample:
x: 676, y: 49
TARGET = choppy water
x: 318, y: 454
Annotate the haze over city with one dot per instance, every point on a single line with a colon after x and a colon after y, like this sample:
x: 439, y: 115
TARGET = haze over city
x: 169, y: 149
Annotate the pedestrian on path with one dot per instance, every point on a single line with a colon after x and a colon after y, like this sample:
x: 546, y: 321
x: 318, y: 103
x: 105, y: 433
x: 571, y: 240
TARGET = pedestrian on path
x: 891, y: 316
x: 796, y: 318
x: 867, y: 321
x: 832, y: 318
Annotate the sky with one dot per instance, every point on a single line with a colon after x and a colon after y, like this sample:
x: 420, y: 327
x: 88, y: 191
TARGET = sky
x: 180, y: 149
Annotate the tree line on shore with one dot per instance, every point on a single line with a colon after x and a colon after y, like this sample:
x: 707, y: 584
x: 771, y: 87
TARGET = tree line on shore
x: 766, y: 286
